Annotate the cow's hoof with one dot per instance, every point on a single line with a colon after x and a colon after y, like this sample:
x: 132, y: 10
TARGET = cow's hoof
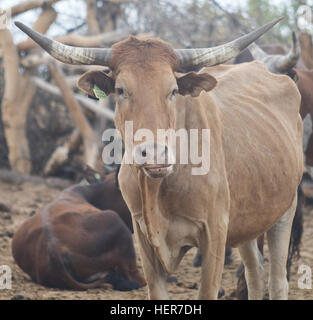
x: 221, y: 293
x: 19, y: 297
x: 171, y: 279
x: 120, y: 283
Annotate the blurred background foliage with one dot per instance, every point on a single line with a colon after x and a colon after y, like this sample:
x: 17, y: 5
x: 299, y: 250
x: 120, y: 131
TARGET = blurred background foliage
x: 184, y: 23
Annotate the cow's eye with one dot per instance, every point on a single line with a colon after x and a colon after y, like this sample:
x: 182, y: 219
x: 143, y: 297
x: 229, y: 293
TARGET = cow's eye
x: 173, y: 93
x: 119, y: 91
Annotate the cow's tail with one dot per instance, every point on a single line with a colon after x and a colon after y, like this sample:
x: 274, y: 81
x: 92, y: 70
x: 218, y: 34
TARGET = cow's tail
x: 296, y: 232
x: 60, y: 262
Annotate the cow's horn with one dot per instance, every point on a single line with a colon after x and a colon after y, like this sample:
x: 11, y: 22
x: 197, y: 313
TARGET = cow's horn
x: 196, y: 58
x: 69, y: 54
x: 285, y: 63
x: 257, y: 53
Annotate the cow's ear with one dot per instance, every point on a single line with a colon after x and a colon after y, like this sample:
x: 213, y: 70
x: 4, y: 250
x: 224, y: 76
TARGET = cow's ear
x: 90, y: 79
x: 193, y: 83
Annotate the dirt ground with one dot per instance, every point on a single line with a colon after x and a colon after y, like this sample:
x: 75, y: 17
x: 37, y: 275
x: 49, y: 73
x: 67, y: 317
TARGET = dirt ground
x: 29, y: 196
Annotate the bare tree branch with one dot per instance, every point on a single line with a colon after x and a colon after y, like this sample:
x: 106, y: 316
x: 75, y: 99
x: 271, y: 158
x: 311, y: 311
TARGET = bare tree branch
x: 100, y: 40
x: 88, y: 103
x: 46, y: 18
x: 91, y: 19
x: 29, y: 5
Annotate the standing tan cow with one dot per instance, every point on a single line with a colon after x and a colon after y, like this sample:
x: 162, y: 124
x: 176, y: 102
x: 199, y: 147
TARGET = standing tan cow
x: 255, y: 162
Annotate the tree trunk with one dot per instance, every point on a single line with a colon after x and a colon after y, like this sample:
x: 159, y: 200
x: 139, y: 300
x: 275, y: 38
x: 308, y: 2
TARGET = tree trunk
x: 91, y: 19
x: 18, y: 94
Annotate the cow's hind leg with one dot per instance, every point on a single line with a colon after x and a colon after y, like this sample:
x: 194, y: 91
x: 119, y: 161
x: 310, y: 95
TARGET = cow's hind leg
x: 278, y: 241
x: 242, y: 290
x: 254, y: 269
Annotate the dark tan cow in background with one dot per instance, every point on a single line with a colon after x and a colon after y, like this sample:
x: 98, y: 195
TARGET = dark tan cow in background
x: 246, y: 56
x: 287, y: 64
x: 306, y: 45
x: 81, y: 240
x: 255, y: 160
x: 272, y: 49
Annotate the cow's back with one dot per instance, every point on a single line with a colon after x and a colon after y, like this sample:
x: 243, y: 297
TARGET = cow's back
x: 29, y: 247
x: 262, y: 139
x: 68, y: 242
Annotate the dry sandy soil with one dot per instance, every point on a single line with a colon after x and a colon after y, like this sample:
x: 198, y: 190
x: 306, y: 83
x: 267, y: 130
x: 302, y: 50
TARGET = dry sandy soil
x: 29, y: 196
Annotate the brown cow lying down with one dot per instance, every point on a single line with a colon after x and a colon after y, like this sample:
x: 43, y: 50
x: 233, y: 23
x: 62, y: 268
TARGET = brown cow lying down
x: 78, y: 241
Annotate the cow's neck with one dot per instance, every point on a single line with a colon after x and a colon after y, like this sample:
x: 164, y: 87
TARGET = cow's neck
x: 155, y: 193
x: 155, y: 220
x: 150, y: 189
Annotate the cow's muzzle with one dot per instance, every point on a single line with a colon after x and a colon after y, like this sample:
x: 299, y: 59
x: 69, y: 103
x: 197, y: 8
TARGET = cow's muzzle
x: 158, y: 171
x: 155, y: 160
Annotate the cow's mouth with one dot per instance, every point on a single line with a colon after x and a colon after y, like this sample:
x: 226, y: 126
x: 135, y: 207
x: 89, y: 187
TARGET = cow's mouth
x: 157, y: 171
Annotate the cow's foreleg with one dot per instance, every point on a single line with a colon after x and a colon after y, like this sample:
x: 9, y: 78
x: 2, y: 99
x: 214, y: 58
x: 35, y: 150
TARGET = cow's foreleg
x: 278, y: 242
x: 153, y: 270
x: 254, y: 269
x: 212, y: 251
